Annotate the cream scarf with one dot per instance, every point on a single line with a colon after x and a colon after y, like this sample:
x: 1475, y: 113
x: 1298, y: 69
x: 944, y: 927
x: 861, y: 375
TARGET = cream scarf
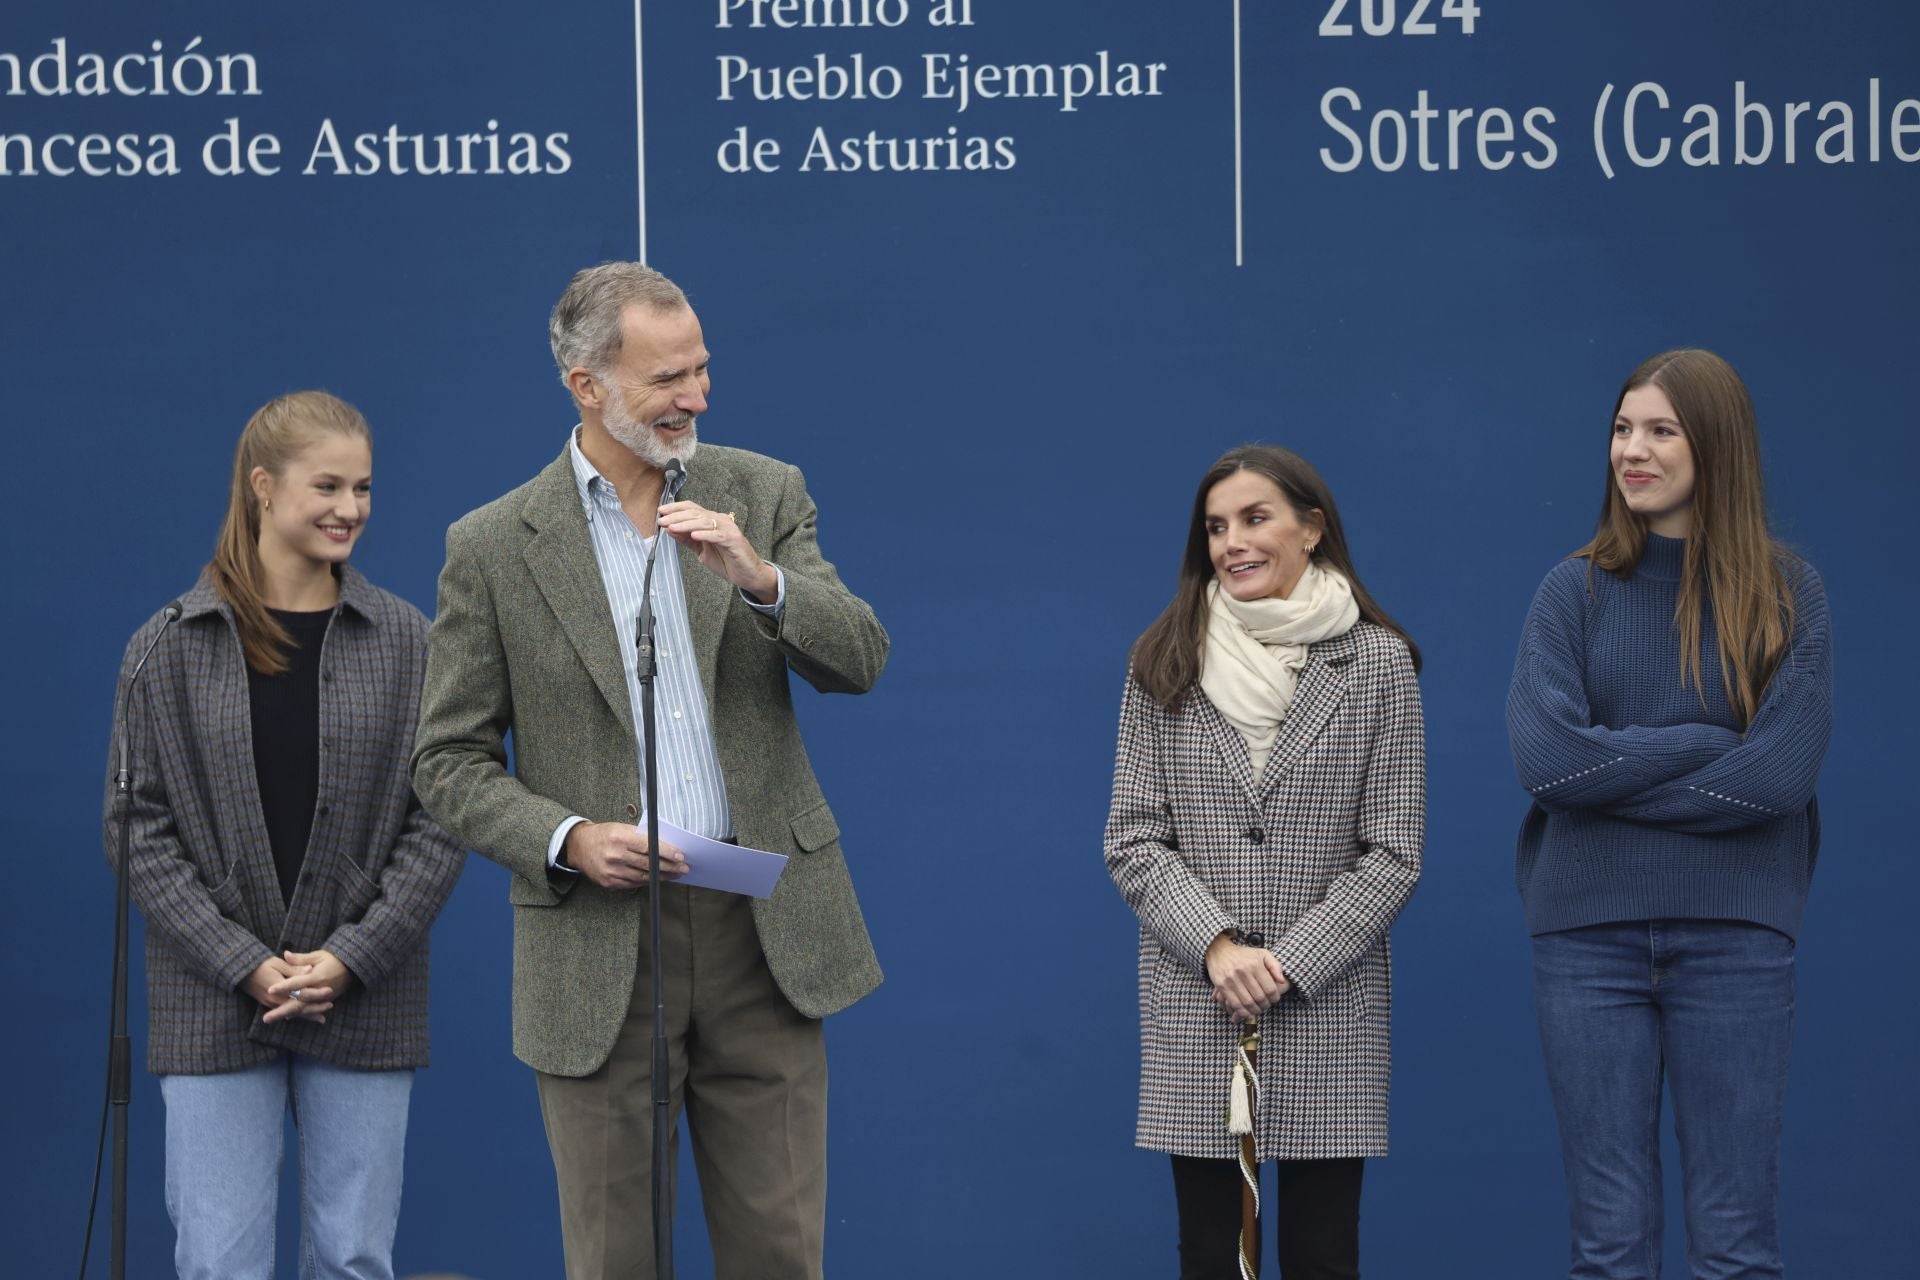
x: 1255, y: 651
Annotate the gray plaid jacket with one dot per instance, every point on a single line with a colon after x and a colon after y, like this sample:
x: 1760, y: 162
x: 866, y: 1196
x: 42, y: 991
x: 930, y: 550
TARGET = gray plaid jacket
x: 377, y: 868
x: 1317, y: 856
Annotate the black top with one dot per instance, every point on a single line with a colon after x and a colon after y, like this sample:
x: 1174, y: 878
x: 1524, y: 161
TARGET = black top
x: 286, y: 742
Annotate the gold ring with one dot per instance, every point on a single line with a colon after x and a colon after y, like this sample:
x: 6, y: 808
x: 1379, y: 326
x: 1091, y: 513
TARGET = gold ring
x: 713, y: 525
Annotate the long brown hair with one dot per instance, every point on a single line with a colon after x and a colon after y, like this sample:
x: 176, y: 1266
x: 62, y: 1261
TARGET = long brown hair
x: 1733, y: 564
x: 1166, y: 657
x: 278, y: 431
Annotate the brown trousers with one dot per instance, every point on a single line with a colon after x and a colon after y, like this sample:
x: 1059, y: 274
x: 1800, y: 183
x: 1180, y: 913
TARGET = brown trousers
x: 751, y: 1073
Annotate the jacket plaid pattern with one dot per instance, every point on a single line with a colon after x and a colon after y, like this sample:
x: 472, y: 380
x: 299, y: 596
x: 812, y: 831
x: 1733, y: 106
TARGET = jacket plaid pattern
x: 1317, y: 856
x: 377, y: 868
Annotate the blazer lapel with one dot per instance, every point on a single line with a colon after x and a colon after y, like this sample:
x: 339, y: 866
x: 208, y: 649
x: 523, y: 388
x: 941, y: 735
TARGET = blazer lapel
x: 561, y: 559
x: 709, y: 596
x: 1322, y: 688
x: 1227, y: 740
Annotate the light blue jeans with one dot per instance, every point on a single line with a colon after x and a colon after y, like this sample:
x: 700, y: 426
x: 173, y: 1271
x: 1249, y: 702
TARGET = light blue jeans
x: 224, y: 1144
x: 1708, y: 1004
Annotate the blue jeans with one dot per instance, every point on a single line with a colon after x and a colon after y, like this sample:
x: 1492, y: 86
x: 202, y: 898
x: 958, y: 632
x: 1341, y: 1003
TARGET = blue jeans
x: 223, y: 1168
x: 1709, y: 1005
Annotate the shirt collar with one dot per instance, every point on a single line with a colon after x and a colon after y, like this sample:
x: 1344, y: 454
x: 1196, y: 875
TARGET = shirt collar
x: 593, y: 487
x: 586, y: 476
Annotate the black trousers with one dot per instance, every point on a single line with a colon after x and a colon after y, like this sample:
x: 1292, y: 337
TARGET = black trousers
x: 1317, y: 1209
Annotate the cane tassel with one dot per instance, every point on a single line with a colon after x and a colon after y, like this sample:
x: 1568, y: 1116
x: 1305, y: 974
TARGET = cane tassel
x: 1241, y: 1101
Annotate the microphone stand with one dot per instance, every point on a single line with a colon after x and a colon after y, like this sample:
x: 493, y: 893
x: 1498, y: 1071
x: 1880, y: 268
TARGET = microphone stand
x: 120, y: 1049
x: 644, y: 669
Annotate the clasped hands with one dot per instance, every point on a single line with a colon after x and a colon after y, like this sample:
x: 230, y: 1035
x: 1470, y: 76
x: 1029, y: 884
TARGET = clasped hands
x: 722, y: 548
x: 1246, y: 980
x: 298, y: 984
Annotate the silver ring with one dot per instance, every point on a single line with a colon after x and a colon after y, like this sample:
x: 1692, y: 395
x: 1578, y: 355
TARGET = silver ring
x: 295, y: 993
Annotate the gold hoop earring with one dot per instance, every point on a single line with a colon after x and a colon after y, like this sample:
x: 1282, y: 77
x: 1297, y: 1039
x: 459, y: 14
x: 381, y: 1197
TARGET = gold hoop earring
x: 266, y: 504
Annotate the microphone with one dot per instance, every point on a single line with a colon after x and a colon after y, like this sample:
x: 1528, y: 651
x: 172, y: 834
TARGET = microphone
x: 168, y: 616
x: 673, y: 479
x: 119, y: 1043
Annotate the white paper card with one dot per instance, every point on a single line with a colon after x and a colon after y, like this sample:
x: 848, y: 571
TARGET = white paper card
x: 731, y: 868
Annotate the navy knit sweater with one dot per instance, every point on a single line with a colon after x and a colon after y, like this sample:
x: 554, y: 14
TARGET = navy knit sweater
x: 1648, y: 803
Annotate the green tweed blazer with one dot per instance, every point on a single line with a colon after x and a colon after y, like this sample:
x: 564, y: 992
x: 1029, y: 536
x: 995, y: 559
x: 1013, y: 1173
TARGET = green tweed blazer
x: 524, y: 642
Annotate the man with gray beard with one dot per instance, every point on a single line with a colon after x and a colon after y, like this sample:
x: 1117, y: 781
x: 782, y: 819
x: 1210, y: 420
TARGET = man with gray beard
x: 535, y: 635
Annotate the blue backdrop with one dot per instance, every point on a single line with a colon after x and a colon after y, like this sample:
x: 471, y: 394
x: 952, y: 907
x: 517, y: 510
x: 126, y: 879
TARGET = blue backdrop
x: 1002, y: 383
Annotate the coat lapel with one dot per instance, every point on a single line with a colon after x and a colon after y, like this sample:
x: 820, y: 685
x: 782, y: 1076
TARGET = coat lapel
x: 708, y: 595
x: 1228, y: 741
x: 1322, y: 688
x: 560, y: 557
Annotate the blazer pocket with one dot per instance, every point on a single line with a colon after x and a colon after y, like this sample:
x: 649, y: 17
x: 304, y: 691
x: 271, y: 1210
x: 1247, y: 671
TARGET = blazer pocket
x: 1346, y: 998
x: 522, y: 892
x: 1368, y: 982
x: 226, y: 895
x: 358, y: 890
x: 814, y: 829
x: 1164, y: 971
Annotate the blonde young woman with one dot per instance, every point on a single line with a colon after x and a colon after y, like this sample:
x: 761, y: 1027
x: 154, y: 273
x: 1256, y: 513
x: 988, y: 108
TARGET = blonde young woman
x: 1669, y: 712
x: 287, y: 876
x: 1268, y: 816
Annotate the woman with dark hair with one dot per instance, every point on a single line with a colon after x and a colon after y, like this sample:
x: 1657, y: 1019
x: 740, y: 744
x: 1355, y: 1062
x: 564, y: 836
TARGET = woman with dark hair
x: 287, y: 875
x: 1669, y: 712
x: 1269, y: 809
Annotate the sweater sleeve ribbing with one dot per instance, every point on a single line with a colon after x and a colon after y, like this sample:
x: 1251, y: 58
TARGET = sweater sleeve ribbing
x: 1771, y: 774
x: 1563, y: 759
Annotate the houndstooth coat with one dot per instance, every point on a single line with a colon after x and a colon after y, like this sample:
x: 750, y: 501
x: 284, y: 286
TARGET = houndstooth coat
x: 1317, y: 856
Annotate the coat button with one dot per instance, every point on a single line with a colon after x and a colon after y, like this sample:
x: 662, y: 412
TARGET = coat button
x: 1255, y: 835
x: 633, y: 811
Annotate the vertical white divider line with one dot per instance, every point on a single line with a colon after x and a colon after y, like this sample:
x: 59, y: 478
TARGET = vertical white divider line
x: 1239, y: 221
x: 640, y: 126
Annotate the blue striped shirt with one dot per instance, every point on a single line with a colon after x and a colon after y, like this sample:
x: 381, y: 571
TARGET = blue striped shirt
x: 693, y: 790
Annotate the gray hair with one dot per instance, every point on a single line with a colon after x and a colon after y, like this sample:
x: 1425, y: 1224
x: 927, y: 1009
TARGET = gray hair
x: 584, y: 330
